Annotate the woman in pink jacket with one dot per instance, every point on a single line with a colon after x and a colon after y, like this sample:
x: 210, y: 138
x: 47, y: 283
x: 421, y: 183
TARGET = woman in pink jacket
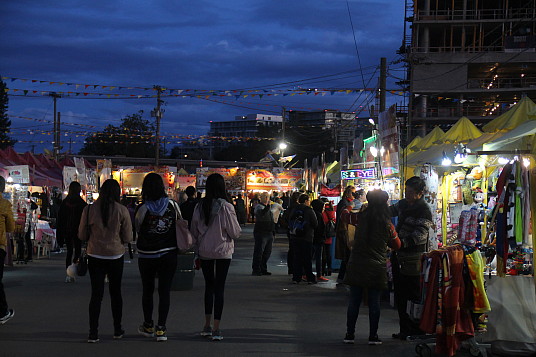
x: 214, y: 228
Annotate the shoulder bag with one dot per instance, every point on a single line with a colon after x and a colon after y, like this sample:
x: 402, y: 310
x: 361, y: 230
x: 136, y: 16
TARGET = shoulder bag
x: 182, y: 233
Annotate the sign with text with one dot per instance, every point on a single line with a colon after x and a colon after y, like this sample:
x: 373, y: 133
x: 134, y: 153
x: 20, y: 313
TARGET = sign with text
x: 369, y: 174
x: 19, y: 174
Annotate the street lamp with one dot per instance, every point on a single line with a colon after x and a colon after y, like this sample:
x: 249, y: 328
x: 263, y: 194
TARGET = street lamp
x: 282, y: 147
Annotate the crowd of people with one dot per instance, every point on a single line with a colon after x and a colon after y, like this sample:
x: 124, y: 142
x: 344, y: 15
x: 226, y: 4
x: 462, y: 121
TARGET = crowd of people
x: 361, y: 225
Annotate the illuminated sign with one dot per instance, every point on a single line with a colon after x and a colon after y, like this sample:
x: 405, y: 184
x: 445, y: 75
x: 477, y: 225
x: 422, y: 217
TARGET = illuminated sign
x: 358, y: 174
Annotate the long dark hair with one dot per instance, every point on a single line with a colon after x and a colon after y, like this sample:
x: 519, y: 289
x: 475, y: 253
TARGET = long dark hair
x: 153, y: 188
x: 109, y: 193
x: 215, y: 188
x: 74, y: 191
x: 376, y: 217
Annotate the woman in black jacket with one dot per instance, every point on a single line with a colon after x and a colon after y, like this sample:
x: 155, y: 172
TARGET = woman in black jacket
x: 67, y: 225
x: 319, y: 238
x: 302, y: 225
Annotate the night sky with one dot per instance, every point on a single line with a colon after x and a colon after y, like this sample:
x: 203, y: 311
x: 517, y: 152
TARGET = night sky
x: 216, y: 59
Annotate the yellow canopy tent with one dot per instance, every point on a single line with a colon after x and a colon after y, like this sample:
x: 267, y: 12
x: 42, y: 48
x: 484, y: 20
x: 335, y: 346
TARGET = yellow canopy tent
x: 461, y: 132
x: 517, y: 115
x: 431, y: 138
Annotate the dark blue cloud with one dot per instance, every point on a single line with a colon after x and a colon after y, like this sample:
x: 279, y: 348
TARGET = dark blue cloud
x: 203, y: 44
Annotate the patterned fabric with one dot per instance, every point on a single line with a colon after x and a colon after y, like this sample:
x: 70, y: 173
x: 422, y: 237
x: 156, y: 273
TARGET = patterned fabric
x: 467, y: 229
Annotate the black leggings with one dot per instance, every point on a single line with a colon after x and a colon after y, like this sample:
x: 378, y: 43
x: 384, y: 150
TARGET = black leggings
x: 73, y: 244
x: 215, y: 284
x: 98, y: 269
x: 165, y: 267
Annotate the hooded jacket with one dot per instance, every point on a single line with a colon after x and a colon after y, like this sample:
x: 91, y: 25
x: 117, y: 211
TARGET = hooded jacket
x: 414, y: 223
x: 155, y: 226
x: 215, y: 240
x: 310, y: 218
x: 367, y: 264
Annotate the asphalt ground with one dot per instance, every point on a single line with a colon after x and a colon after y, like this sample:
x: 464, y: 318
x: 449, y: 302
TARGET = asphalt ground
x: 263, y: 315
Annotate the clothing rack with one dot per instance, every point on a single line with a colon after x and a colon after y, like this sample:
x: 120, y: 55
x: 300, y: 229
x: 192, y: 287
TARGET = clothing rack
x: 453, y: 296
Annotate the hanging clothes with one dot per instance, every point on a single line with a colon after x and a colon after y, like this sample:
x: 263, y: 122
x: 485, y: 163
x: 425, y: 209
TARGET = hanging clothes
x: 445, y: 312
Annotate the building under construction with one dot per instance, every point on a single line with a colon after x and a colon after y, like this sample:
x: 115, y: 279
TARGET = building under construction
x: 472, y: 58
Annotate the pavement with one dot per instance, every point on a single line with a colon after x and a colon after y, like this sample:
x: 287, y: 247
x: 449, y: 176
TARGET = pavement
x: 263, y: 315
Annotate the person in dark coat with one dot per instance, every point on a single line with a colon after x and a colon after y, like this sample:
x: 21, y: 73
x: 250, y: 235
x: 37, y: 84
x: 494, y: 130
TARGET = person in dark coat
x: 67, y: 225
x: 284, y: 223
x: 319, y: 238
x: 342, y: 251
x: 366, y: 268
x: 414, y: 223
x: 240, y: 209
x: 303, y: 243
x: 187, y: 207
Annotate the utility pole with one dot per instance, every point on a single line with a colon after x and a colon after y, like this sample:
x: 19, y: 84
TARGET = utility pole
x: 157, y: 113
x: 58, y: 136
x: 383, y: 81
x: 55, y: 149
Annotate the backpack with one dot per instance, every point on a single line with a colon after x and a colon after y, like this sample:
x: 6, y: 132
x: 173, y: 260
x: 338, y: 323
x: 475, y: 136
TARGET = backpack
x: 298, y: 223
x: 264, y: 220
x: 330, y: 229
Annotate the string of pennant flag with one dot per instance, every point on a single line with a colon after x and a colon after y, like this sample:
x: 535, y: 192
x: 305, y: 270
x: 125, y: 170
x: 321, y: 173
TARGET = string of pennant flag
x: 172, y: 92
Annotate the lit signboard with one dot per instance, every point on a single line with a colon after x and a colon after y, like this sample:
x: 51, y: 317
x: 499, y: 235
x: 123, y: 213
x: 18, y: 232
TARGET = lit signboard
x: 358, y: 174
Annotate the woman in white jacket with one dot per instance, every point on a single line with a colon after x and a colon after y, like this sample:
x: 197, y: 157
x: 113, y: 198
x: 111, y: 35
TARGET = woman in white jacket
x: 214, y: 228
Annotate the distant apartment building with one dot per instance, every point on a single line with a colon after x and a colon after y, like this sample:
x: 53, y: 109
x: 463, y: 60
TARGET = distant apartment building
x: 341, y: 126
x: 247, y: 126
x: 470, y: 58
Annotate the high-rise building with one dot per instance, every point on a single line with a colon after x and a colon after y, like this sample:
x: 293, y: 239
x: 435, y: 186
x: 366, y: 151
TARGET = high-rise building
x: 473, y: 58
x: 248, y: 126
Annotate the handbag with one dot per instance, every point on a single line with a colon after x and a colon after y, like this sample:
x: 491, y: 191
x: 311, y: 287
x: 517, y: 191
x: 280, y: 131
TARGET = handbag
x: 82, y: 262
x: 182, y: 233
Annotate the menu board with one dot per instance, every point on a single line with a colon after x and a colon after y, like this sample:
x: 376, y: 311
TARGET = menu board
x: 277, y: 179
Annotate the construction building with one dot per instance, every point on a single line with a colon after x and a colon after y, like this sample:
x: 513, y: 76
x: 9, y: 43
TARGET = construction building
x: 473, y: 58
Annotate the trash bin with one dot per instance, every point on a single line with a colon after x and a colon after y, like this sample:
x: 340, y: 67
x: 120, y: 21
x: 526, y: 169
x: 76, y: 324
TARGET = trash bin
x: 184, y: 276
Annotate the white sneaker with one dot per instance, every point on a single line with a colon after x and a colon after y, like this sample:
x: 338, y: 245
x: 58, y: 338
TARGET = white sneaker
x: 8, y: 316
x: 69, y: 279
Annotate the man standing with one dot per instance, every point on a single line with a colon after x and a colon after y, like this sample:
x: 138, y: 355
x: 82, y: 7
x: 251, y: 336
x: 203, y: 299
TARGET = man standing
x: 263, y: 232
x: 188, y: 206
x: 414, y: 222
x: 7, y: 224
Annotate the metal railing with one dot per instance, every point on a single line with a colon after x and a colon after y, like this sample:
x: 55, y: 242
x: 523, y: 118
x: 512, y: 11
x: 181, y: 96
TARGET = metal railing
x: 487, y: 14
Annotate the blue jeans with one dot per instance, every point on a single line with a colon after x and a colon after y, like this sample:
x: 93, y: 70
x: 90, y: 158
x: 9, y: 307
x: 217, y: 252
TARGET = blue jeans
x: 356, y: 294
x: 262, y: 251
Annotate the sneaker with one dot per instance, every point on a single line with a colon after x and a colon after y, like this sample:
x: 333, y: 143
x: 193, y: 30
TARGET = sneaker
x: 256, y: 273
x: 146, y: 330
x: 93, y: 338
x: 322, y: 279
x: 374, y: 340
x: 207, y: 331
x: 160, y: 333
x: 266, y: 273
x: 349, y: 338
x: 8, y: 316
x: 69, y: 279
x: 216, y: 335
x: 118, y: 334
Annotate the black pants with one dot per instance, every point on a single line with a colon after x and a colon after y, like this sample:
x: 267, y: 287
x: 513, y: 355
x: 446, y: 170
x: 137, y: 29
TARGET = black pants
x: 262, y: 251
x: 29, y: 245
x: 326, y: 259
x: 317, y: 256
x: 406, y: 288
x: 3, y: 301
x: 215, y: 274
x: 303, y: 251
x: 290, y: 254
x: 98, y: 269
x: 165, y: 268
x: 73, y: 244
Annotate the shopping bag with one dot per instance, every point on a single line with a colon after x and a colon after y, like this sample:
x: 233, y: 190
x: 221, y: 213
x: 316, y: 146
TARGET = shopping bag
x: 183, y: 235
